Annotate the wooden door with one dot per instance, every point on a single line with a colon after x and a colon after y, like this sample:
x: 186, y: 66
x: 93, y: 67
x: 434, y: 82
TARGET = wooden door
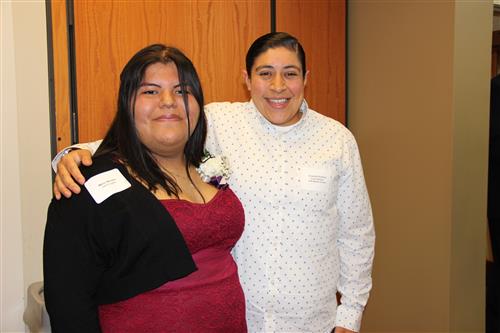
x: 320, y: 27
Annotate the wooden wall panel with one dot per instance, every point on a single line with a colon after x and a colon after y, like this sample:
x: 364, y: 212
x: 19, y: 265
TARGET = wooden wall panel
x: 320, y: 26
x: 61, y: 76
x: 214, y: 34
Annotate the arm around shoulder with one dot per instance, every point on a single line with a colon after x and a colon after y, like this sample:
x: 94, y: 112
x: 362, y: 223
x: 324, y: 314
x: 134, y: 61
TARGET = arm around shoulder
x: 90, y: 146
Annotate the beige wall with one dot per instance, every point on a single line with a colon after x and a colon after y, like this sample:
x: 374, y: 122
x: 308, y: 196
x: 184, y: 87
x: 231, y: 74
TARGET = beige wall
x: 11, y: 288
x: 30, y: 47
x: 472, y: 70
x: 418, y: 93
x: 25, y: 154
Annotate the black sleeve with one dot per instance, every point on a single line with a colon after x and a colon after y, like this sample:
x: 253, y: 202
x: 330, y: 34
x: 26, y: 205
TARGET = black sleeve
x: 73, y: 265
x: 494, y: 152
x: 494, y: 169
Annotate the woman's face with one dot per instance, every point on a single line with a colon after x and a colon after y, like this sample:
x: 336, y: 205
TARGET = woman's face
x: 276, y: 85
x: 160, y: 114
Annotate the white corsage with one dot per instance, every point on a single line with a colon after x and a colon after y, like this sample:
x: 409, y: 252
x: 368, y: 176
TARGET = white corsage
x: 214, y: 170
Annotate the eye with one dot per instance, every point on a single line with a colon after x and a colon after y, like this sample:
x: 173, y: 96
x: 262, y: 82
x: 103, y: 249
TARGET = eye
x: 148, y: 89
x: 265, y: 74
x: 182, y: 92
x: 291, y: 75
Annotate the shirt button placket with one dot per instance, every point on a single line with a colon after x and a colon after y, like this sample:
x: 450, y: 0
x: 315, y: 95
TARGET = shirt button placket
x: 281, y: 220
x: 275, y: 253
x: 269, y: 323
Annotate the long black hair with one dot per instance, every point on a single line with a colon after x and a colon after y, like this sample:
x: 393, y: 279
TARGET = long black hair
x: 274, y: 40
x: 122, y: 140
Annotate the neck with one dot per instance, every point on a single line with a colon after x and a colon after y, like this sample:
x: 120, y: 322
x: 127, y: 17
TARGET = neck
x: 172, y: 164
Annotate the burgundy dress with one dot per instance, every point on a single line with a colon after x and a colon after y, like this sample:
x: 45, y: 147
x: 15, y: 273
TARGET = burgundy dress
x: 209, y: 299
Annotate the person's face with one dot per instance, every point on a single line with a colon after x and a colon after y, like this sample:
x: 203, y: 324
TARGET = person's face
x: 277, y: 85
x: 160, y: 115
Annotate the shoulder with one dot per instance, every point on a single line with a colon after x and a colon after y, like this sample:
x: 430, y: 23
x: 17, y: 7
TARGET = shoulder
x: 99, y: 165
x: 221, y: 108
x: 228, y: 116
x: 329, y: 126
x: 107, y: 205
x: 85, y: 202
x: 495, y: 82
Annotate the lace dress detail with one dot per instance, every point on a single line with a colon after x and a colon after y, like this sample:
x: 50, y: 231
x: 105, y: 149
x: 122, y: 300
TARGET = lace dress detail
x: 209, y: 299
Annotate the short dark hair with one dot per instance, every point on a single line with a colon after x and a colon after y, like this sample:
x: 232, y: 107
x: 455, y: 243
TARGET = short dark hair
x: 273, y: 40
x: 122, y: 139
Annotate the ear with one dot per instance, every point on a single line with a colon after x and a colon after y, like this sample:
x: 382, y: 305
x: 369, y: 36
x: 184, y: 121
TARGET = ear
x: 305, y: 77
x: 244, y: 73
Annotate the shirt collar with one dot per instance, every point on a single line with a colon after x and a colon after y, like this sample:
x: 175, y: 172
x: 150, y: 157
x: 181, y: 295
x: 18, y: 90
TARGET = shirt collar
x: 280, y: 130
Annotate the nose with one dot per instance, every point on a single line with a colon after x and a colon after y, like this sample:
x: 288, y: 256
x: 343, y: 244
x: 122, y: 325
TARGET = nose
x: 168, y: 100
x: 278, y: 84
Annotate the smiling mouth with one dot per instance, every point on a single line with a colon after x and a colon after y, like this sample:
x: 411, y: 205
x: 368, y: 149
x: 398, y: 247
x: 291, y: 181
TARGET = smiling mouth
x: 278, y: 102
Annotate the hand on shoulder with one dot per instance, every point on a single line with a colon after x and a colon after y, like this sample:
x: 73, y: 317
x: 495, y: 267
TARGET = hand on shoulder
x: 68, y: 176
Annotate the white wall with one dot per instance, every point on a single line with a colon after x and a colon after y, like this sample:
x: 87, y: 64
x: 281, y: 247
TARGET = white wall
x: 25, y: 154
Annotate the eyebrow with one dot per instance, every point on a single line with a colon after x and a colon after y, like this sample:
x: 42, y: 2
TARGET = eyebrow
x: 258, y: 68
x: 144, y: 84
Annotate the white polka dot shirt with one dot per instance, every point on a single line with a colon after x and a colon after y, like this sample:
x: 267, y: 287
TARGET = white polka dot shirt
x: 309, y: 228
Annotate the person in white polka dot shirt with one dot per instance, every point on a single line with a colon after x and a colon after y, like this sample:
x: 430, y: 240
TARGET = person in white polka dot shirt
x: 309, y: 228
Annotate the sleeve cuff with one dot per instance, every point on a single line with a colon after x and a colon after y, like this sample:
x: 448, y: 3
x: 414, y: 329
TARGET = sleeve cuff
x: 90, y: 146
x: 349, y: 318
x: 60, y: 155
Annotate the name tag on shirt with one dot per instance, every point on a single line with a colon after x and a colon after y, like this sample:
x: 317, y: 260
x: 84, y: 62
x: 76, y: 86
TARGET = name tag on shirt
x: 314, y: 179
x: 105, y: 184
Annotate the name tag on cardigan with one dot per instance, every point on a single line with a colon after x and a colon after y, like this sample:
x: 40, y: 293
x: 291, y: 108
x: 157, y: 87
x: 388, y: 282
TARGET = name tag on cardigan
x: 314, y: 179
x: 105, y: 184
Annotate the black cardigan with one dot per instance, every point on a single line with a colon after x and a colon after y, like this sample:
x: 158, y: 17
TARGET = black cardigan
x: 104, y: 253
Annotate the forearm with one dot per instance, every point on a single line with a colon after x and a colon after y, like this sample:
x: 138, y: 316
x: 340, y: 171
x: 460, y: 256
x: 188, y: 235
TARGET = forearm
x: 354, y: 285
